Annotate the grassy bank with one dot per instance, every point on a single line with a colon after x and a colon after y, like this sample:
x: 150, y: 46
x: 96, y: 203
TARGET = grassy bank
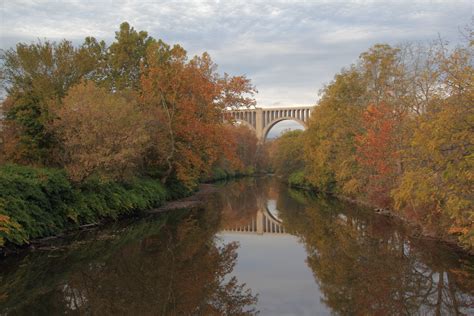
x: 39, y: 202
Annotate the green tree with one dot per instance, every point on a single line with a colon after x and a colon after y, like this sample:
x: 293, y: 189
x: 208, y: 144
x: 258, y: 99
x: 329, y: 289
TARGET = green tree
x: 287, y: 154
x: 329, y: 140
x: 126, y: 57
x: 37, y: 75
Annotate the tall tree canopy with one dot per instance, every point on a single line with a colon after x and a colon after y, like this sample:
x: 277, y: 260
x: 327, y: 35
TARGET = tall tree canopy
x: 396, y: 130
x: 138, y: 105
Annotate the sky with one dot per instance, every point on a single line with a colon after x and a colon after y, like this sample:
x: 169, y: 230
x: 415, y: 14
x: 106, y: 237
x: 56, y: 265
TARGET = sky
x: 289, y: 49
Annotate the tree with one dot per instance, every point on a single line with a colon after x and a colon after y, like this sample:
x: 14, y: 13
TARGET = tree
x: 101, y: 133
x: 381, y: 68
x: 92, y: 58
x: 35, y: 76
x: 186, y: 100
x: 329, y: 145
x: 236, y: 92
x: 377, y: 153
x: 287, y: 154
x: 247, y: 145
x: 436, y: 188
x: 126, y: 57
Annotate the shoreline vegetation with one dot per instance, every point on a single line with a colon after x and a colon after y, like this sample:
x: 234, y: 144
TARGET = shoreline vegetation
x: 415, y: 229
x: 395, y: 131
x: 96, y: 131
x: 43, y: 203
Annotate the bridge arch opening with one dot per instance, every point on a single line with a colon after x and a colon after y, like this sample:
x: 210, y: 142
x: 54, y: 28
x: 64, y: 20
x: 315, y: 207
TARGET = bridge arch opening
x: 272, y: 210
x: 277, y: 127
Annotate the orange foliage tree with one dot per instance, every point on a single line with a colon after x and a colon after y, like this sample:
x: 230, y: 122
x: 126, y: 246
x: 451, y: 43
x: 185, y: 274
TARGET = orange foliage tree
x: 376, y: 152
x: 246, y: 145
x: 185, y: 100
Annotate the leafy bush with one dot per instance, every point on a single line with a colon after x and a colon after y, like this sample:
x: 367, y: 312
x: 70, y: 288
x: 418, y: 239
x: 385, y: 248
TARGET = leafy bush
x: 38, y: 202
x: 298, y: 179
x: 36, y: 199
x: 218, y: 174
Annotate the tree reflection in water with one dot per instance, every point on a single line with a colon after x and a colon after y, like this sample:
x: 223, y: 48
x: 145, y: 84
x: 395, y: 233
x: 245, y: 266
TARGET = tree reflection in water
x: 169, y: 266
x: 367, y: 265
x: 364, y: 264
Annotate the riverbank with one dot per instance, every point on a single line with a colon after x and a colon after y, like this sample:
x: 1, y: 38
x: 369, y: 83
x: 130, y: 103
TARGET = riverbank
x: 38, y: 202
x: 195, y: 200
x: 417, y: 231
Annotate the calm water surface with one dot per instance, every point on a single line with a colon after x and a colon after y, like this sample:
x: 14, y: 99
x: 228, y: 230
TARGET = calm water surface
x: 256, y: 247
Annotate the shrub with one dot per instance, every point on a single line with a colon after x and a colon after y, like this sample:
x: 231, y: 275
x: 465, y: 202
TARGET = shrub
x: 298, y: 179
x: 38, y: 202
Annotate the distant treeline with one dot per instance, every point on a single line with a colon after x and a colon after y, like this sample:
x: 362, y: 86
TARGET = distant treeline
x: 395, y: 130
x: 135, y: 109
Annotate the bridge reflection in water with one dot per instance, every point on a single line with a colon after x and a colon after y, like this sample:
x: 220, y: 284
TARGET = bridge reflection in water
x: 264, y: 222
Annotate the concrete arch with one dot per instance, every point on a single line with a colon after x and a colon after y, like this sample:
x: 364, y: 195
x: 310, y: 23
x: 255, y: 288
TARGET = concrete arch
x: 271, y: 216
x: 267, y: 128
x: 263, y: 119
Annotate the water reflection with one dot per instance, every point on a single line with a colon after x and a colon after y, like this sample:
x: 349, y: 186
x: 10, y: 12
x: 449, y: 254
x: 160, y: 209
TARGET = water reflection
x: 248, y: 208
x: 166, y: 266
x: 362, y: 264
x: 302, y: 255
x: 271, y: 262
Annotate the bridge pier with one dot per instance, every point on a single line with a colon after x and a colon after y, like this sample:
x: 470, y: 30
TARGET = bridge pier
x: 259, y: 124
x: 260, y: 219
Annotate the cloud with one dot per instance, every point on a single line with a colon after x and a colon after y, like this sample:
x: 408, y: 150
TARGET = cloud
x: 288, y: 49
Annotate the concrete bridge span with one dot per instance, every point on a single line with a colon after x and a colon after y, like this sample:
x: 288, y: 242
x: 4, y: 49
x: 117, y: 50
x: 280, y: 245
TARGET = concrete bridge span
x: 261, y: 120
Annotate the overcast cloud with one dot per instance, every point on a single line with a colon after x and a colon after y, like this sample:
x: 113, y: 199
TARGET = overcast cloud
x: 288, y: 48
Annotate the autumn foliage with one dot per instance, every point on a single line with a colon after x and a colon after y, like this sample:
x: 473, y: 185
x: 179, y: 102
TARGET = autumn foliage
x: 131, y: 124
x: 395, y: 131
x: 186, y: 100
x: 100, y: 133
x: 137, y: 107
x: 376, y: 152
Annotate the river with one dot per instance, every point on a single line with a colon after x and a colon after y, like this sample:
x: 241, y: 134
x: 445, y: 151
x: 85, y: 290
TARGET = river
x: 256, y: 246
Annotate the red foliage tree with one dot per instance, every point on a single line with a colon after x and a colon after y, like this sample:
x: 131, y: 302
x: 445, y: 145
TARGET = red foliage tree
x: 377, y: 153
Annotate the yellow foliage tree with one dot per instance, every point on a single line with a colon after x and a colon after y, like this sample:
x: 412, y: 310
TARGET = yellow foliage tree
x: 329, y: 139
x: 101, y: 132
x: 438, y: 184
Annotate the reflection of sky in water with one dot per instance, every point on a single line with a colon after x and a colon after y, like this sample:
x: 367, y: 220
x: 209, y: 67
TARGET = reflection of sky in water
x: 274, y: 266
x: 271, y: 206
